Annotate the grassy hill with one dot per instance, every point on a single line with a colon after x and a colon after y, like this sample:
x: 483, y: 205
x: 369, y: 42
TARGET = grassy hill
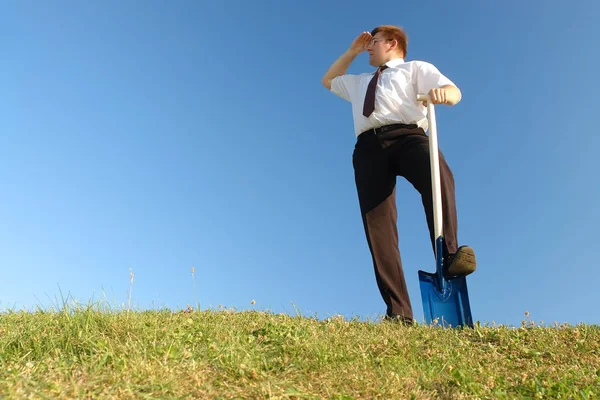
x: 94, y: 353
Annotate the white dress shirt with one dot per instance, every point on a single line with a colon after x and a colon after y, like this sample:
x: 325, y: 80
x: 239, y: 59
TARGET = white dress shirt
x: 395, y: 96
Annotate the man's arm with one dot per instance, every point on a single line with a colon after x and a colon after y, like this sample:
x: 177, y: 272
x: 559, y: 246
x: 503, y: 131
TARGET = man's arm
x: 431, y: 81
x: 340, y: 66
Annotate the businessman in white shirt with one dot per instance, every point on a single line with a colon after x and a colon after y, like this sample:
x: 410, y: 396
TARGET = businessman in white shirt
x: 390, y: 126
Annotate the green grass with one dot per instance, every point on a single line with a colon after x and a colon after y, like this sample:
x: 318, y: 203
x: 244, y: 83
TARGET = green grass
x: 90, y: 352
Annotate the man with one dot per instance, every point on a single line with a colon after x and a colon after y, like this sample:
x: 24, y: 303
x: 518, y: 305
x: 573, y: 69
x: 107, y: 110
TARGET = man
x: 390, y: 127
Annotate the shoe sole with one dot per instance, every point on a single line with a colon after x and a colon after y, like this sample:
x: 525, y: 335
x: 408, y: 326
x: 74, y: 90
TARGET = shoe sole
x: 464, y: 262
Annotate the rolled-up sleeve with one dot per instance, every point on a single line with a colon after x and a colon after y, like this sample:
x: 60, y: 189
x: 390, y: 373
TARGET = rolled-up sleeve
x: 345, y: 86
x: 429, y: 77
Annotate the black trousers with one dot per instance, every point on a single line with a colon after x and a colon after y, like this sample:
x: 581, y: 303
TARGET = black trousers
x: 378, y: 160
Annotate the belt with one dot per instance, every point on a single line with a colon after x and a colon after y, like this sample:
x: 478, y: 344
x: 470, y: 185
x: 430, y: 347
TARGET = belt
x: 388, y: 128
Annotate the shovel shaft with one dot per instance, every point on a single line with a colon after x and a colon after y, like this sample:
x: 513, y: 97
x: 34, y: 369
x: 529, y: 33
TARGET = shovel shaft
x: 435, y: 167
x: 435, y: 185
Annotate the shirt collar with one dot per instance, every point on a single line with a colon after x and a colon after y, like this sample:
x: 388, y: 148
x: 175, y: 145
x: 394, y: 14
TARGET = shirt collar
x: 395, y: 62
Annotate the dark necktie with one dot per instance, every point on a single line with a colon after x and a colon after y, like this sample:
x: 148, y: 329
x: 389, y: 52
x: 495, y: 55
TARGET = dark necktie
x: 369, y: 106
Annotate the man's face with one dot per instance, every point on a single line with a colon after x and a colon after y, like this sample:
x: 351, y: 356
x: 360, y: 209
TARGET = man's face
x: 379, y: 50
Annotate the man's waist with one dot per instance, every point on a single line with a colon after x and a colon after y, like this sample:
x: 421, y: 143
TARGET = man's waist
x: 393, y: 129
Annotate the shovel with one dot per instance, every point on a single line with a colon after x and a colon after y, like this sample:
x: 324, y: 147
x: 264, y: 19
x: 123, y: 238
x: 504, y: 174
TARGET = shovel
x: 445, y: 301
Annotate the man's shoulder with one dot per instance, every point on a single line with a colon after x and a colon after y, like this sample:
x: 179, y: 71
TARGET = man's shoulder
x: 352, y: 77
x: 420, y: 67
x: 347, y: 84
x: 358, y: 75
x: 420, y: 63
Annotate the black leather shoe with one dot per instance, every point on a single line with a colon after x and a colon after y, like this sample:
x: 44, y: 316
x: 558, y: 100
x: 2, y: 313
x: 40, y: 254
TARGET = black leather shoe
x: 461, y: 263
x: 399, y: 319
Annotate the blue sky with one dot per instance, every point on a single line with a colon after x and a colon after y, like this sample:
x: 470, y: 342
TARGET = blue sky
x: 163, y: 136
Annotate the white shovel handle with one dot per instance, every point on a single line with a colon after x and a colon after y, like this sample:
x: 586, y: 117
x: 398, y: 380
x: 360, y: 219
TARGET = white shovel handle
x: 435, y: 167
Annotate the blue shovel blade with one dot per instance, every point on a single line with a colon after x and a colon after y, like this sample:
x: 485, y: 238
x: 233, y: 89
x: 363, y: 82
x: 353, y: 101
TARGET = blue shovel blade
x: 448, y: 309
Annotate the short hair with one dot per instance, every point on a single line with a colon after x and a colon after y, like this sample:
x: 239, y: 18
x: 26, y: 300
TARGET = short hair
x: 393, y: 33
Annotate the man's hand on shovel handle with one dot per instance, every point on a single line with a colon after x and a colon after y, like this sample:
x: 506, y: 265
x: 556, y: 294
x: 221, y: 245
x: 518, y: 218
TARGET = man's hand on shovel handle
x: 449, y: 95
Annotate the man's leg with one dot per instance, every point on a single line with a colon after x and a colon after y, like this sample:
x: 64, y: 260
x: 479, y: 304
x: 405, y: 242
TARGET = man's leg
x: 376, y: 183
x: 411, y: 160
